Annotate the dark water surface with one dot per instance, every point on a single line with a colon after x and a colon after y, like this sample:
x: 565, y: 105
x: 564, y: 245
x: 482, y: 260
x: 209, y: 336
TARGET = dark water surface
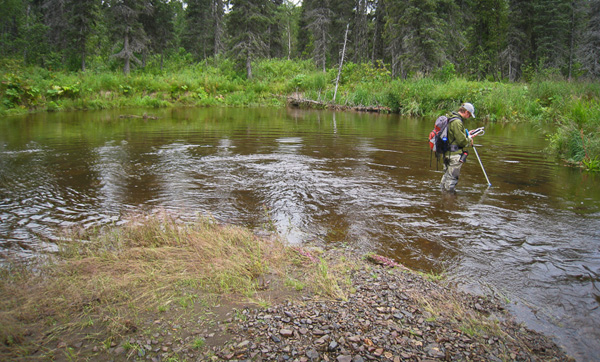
x: 358, y: 179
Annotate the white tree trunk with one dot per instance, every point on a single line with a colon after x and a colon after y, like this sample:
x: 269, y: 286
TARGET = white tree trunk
x: 337, y: 80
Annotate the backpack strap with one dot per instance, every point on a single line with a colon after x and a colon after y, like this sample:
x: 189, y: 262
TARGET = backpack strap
x: 450, y: 120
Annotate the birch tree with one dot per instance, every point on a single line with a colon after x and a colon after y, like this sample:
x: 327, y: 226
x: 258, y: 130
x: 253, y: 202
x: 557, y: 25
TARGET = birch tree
x: 288, y: 14
x: 218, y: 11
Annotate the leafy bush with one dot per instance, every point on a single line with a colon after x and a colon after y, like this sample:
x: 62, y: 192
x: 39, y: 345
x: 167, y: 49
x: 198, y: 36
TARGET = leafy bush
x: 365, y: 72
x: 108, y: 81
x: 297, y: 83
x: 362, y: 97
x: 445, y: 73
x: 274, y: 70
x: 64, y: 91
x: 16, y: 91
x: 153, y: 102
x: 126, y: 89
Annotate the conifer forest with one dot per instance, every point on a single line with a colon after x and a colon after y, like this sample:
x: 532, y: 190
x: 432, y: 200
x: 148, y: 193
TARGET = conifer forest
x: 496, y: 40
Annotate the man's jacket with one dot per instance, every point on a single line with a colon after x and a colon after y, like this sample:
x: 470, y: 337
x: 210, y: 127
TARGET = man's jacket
x: 457, y: 136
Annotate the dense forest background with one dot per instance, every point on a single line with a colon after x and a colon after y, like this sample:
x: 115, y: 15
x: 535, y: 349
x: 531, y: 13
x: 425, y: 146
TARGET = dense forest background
x: 479, y: 39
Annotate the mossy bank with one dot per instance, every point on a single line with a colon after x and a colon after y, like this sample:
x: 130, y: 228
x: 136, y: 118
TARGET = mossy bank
x: 160, y: 288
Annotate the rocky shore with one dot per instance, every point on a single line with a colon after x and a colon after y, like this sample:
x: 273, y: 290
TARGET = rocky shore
x: 390, y: 314
x: 160, y: 289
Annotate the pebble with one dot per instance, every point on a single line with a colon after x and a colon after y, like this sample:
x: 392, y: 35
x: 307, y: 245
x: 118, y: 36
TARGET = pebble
x: 383, y: 319
x: 380, y: 321
x: 286, y: 332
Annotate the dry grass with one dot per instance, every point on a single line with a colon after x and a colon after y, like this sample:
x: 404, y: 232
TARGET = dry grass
x: 453, y: 309
x: 108, y: 284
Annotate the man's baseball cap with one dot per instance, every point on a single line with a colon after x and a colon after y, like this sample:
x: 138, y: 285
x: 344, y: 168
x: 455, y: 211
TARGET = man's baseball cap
x: 469, y: 107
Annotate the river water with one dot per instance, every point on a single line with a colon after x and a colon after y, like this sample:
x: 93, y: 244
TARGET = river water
x: 360, y: 180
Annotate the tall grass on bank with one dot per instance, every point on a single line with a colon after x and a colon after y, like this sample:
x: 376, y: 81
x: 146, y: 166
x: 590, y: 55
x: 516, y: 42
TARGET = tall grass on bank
x: 104, y: 284
x: 572, y: 106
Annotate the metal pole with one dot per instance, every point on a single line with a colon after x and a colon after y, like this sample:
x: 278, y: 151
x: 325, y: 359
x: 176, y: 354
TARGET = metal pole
x: 482, y: 169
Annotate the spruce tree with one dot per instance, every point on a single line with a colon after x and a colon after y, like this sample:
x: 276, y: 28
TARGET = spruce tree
x: 519, y: 36
x: 551, y: 33
x: 589, y: 48
x: 248, y: 26
x: 276, y: 30
x: 11, y: 26
x: 159, y: 26
x: 377, y: 43
x: 56, y: 21
x: 318, y: 17
x: 360, y: 30
x: 415, y: 36
x: 199, y: 33
x: 33, y: 40
x: 127, y: 27
x: 82, y: 18
x: 487, y: 36
x: 342, y: 12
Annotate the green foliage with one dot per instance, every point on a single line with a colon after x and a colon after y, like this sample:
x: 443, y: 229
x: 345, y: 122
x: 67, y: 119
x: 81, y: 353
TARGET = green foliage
x: 314, y: 81
x: 592, y: 165
x: 108, y: 81
x: 153, y: 102
x: 366, y: 72
x: 362, y: 96
x: 52, y: 106
x: 64, y: 91
x: 275, y: 70
x: 445, y: 73
x: 579, y: 146
x: 297, y: 83
x: 198, y: 343
x: 573, y: 106
x: 125, y: 89
x: 16, y: 91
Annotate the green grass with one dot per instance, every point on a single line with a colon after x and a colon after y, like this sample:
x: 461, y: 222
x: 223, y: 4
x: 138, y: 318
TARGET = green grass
x: 198, y: 343
x: 295, y: 284
x: 573, y: 106
x: 155, y: 264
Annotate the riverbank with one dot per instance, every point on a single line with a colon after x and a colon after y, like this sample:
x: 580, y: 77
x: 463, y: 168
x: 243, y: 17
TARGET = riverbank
x: 161, y: 288
x: 568, y: 112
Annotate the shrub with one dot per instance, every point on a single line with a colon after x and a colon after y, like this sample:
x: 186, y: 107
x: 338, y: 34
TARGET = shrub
x: 16, y: 91
x: 445, y: 73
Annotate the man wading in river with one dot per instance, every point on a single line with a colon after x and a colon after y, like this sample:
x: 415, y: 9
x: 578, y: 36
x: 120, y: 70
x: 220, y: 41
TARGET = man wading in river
x: 458, y: 139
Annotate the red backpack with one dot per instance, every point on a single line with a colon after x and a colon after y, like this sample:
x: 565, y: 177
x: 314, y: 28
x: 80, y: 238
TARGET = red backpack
x: 438, y: 137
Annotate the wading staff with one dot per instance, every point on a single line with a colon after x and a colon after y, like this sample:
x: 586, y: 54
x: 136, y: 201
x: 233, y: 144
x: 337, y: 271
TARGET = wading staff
x: 481, y: 164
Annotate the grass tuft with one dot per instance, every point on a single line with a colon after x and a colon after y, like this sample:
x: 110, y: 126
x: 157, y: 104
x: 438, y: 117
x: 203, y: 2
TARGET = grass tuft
x: 105, y: 282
